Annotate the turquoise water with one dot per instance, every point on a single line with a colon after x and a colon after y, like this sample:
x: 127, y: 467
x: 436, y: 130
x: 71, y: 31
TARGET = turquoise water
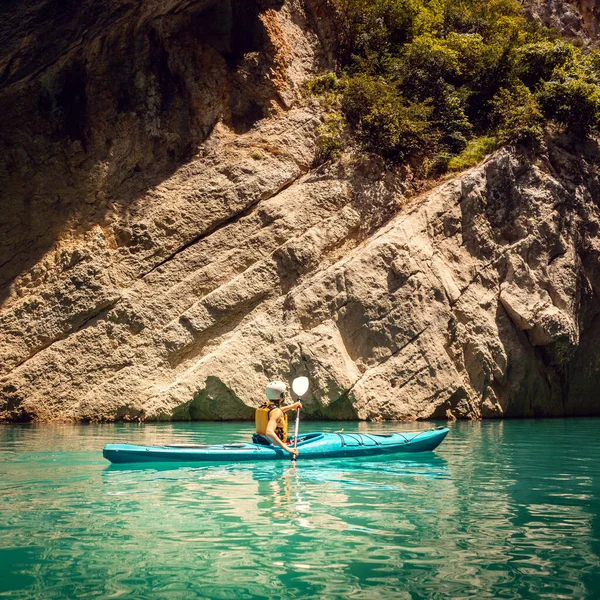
x: 501, y: 510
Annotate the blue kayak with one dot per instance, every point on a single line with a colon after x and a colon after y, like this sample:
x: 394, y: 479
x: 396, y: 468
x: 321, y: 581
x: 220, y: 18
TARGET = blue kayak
x: 310, y: 445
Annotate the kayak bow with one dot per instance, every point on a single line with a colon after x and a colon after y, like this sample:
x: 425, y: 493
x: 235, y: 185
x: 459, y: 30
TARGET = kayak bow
x: 310, y: 445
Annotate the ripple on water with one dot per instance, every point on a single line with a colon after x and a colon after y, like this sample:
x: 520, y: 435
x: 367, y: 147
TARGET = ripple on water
x: 501, y: 510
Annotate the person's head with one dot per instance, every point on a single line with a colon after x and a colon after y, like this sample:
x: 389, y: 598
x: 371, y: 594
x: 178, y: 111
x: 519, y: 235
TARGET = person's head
x: 275, y: 391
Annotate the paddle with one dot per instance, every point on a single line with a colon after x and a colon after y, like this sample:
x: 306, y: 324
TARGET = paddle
x: 300, y: 386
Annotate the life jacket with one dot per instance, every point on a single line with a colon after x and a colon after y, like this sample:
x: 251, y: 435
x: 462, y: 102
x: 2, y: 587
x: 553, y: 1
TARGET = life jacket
x: 261, y: 419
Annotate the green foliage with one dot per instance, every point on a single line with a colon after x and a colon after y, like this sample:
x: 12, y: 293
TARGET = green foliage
x: 537, y: 62
x: 326, y: 87
x: 426, y: 63
x: 590, y: 62
x: 519, y: 116
x: 435, y: 165
x: 331, y: 134
x: 442, y: 81
x: 383, y: 119
x: 373, y: 30
x: 574, y: 103
x: 475, y: 152
x: 323, y: 84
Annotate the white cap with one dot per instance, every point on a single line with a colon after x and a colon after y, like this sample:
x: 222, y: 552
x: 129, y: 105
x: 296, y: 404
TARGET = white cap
x: 275, y: 389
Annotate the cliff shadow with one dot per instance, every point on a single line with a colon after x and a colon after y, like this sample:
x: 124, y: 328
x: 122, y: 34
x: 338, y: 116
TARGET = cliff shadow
x: 100, y: 104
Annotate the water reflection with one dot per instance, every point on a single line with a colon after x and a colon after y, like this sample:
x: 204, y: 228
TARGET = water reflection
x: 506, y: 509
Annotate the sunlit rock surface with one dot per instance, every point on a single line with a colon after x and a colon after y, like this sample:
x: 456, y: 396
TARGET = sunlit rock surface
x: 167, y: 245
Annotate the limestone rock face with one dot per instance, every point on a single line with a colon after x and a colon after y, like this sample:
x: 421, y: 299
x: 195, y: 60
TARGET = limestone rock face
x: 131, y: 131
x: 167, y: 246
x: 478, y: 299
x: 576, y: 18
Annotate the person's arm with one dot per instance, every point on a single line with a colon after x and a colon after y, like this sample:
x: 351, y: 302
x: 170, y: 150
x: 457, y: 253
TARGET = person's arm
x: 291, y: 407
x: 270, y: 432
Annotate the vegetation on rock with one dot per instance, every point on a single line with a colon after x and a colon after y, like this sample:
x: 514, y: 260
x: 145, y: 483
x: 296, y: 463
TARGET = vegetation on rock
x: 437, y: 82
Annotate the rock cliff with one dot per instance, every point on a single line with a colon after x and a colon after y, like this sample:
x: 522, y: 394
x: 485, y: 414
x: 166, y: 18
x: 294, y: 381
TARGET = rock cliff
x: 168, y: 246
x: 578, y: 18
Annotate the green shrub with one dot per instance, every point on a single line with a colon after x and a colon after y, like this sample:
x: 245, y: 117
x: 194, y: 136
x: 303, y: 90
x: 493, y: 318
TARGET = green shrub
x: 475, y: 152
x: 326, y: 88
x: 427, y: 63
x: 574, y: 103
x: 320, y: 85
x: 518, y: 116
x: 331, y: 133
x: 471, y: 51
x: 383, y: 119
x: 435, y: 165
x: 537, y: 62
x: 590, y: 62
x: 435, y: 78
x: 450, y: 119
x: 375, y: 29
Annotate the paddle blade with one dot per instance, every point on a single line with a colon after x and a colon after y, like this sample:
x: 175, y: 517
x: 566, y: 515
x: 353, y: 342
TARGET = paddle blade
x: 300, y: 385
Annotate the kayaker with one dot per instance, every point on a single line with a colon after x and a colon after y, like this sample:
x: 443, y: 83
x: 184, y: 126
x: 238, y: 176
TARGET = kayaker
x: 271, y: 420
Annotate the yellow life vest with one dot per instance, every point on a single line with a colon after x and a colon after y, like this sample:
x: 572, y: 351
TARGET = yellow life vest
x: 261, y: 419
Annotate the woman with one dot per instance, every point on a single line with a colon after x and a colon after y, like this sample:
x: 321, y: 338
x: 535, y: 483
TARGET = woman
x: 271, y: 420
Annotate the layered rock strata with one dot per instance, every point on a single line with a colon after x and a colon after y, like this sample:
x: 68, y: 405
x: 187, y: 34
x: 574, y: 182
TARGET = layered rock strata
x: 479, y: 299
x: 168, y: 246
